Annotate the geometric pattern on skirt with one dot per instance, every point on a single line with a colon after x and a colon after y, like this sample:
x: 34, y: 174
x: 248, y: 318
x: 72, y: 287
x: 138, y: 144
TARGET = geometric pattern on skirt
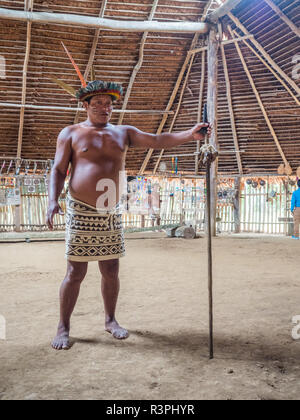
x: 91, y: 234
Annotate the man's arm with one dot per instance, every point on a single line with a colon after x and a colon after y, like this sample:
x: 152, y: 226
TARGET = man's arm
x: 138, y: 138
x: 59, y: 173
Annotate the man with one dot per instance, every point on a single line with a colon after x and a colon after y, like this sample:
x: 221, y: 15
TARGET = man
x: 96, y: 150
x: 295, y: 209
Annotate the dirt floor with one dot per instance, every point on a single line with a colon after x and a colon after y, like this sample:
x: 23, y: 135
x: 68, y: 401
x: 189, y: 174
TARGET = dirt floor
x: 164, y: 304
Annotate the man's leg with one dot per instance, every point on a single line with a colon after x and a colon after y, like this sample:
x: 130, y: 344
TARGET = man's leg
x: 69, y: 292
x: 296, y: 221
x: 110, y: 286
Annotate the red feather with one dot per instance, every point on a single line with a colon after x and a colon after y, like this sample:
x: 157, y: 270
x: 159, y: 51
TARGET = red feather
x: 83, y: 82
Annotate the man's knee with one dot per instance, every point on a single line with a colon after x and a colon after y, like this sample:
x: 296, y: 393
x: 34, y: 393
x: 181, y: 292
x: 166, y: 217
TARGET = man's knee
x: 76, y: 273
x: 109, y: 268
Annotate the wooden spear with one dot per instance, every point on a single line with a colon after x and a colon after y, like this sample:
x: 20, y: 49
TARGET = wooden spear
x: 207, y: 159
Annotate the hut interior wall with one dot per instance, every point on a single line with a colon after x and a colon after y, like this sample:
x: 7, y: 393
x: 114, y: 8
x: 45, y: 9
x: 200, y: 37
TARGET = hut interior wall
x: 173, y: 201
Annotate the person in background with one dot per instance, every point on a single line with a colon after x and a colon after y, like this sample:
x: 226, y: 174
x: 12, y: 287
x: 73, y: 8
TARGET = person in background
x: 295, y: 209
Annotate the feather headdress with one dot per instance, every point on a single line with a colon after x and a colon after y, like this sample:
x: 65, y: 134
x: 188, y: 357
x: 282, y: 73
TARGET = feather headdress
x: 94, y: 87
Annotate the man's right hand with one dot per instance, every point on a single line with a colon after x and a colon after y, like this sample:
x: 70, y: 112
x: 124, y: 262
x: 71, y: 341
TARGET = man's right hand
x: 53, y: 208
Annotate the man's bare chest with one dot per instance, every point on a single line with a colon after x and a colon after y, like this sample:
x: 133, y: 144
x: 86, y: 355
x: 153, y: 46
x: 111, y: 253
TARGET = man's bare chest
x: 97, y: 144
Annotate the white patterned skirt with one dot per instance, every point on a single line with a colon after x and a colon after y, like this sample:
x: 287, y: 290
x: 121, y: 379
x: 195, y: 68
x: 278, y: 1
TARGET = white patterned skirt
x: 91, y: 234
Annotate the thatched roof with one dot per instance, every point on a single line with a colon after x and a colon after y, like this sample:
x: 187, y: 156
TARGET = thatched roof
x: 271, y: 61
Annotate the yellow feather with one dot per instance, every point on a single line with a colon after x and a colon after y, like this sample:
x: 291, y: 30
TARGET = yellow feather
x: 65, y: 86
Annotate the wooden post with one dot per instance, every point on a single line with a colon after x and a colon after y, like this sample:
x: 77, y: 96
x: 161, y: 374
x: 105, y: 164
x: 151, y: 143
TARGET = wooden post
x: 28, y: 6
x: 212, y: 111
x: 17, y: 210
x: 237, y: 205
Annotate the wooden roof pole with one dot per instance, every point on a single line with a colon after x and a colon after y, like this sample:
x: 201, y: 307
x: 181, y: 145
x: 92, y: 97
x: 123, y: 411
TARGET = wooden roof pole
x: 259, y: 100
x: 138, y: 65
x: 177, y: 110
x: 283, y: 17
x: 28, y: 5
x: 103, y: 23
x: 223, y: 10
x: 265, y: 54
x: 72, y: 109
x: 206, y: 10
x: 225, y: 42
x: 230, y: 106
x: 271, y: 70
x: 92, y: 55
x: 170, y: 103
x: 200, y: 106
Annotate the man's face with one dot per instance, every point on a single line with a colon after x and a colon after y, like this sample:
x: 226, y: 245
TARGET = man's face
x: 100, y: 108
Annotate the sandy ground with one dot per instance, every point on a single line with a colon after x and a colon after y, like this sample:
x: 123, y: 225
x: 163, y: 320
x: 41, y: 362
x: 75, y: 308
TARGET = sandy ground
x: 163, y: 303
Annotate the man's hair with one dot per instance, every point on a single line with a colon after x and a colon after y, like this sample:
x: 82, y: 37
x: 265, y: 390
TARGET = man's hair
x: 298, y: 183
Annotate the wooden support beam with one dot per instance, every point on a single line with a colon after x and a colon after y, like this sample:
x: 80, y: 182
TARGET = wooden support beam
x: 277, y: 10
x: 109, y: 24
x: 200, y: 106
x: 259, y: 100
x: 270, y: 69
x: 265, y: 54
x: 92, y: 54
x: 177, y: 110
x: 72, y: 109
x: 225, y: 42
x: 138, y: 64
x: 230, y: 105
x: 212, y: 113
x: 28, y: 5
x: 170, y: 103
x: 223, y: 10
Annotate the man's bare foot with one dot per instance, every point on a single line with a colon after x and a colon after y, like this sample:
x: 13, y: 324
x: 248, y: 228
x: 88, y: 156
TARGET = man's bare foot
x: 117, y: 332
x: 61, y: 341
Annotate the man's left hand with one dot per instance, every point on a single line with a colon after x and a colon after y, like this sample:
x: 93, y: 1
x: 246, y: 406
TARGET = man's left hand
x: 196, y: 131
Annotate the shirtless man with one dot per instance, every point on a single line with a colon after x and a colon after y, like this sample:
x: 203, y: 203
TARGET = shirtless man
x: 96, y: 150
